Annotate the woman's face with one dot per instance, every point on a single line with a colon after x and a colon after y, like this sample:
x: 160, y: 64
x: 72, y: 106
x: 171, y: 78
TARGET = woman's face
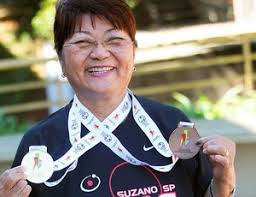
x: 99, y: 59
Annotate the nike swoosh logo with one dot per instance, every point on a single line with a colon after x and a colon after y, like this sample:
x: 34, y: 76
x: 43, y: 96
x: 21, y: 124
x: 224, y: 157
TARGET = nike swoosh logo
x: 147, y: 148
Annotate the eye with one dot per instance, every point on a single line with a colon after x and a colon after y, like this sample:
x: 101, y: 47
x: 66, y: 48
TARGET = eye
x: 78, y: 42
x: 115, y: 40
x: 83, y: 43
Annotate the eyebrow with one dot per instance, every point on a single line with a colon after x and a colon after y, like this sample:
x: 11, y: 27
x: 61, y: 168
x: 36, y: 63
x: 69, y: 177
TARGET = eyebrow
x: 89, y: 33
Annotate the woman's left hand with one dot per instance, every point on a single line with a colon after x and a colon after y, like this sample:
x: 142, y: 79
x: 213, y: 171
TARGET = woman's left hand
x: 221, y: 151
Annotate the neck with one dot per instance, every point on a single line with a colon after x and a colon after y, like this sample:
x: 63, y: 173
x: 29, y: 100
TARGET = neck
x: 102, y: 105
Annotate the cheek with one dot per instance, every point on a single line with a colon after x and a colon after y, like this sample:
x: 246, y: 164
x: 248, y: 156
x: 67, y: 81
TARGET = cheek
x: 128, y: 61
x: 127, y: 70
x: 72, y: 63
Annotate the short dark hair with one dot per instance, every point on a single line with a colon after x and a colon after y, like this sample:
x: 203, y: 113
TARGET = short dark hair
x: 69, y: 14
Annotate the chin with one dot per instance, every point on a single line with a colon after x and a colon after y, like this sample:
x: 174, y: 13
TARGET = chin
x: 104, y: 90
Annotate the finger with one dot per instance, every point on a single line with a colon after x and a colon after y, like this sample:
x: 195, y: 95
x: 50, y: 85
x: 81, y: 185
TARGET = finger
x: 219, y: 159
x: 17, y: 169
x: 10, y: 177
x: 216, y: 141
x: 211, y: 142
x: 26, y: 191
x: 203, y: 140
x: 19, y: 187
x: 216, y: 150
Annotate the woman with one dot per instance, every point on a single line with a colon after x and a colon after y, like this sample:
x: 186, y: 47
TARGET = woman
x: 115, y: 137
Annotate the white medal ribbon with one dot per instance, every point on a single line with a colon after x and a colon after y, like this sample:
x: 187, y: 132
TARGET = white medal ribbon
x: 102, y: 132
x: 81, y: 145
x: 74, y: 129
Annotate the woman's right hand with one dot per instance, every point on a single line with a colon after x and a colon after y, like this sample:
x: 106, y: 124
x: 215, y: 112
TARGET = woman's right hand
x: 13, y: 183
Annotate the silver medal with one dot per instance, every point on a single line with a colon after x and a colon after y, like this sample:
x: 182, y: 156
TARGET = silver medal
x: 38, y: 164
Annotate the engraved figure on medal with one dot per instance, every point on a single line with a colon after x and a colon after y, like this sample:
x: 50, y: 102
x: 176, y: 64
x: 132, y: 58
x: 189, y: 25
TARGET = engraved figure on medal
x: 182, y: 142
x: 38, y: 165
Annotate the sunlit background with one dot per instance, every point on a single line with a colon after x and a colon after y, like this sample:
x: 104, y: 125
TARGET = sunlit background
x: 198, y: 55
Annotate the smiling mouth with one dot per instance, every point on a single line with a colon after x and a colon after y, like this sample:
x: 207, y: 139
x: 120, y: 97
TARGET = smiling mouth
x: 100, y: 70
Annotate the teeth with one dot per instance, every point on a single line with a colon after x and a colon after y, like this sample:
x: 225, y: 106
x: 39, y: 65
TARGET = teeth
x: 99, y: 69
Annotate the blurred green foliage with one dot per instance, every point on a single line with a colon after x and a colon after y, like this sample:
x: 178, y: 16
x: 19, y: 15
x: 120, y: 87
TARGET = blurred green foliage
x: 10, y: 125
x: 43, y: 21
x: 22, y: 12
x: 4, y: 52
x: 202, y: 108
x: 233, y: 102
x: 132, y: 3
x: 17, y: 42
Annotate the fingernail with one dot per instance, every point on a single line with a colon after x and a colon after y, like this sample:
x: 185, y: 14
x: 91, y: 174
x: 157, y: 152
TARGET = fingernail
x: 198, y: 142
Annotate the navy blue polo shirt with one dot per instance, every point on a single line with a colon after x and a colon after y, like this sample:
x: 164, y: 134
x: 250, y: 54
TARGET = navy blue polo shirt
x: 101, y: 173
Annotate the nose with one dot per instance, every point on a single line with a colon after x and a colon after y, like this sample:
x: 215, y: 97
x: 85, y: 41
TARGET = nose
x: 99, y: 52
